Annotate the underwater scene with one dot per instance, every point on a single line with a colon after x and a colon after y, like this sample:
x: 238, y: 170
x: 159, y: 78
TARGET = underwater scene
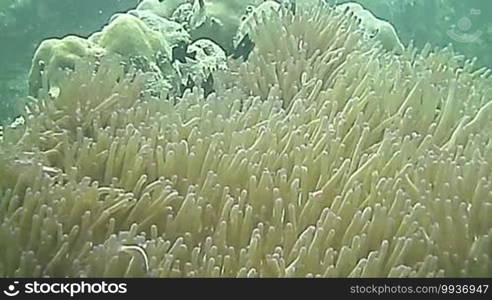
x: 245, y: 138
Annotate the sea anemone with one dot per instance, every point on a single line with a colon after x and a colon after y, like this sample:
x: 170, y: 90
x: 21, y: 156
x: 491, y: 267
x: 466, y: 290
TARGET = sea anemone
x: 322, y: 155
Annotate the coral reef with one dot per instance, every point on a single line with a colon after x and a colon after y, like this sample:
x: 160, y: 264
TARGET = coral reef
x: 142, y: 37
x: 251, y: 19
x: 174, y: 33
x: 55, y: 56
x: 162, y: 8
x: 218, y: 20
x: 375, y: 28
x: 320, y: 156
x: 462, y: 24
x: 24, y: 24
x: 203, y: 58
x: 129, y: 36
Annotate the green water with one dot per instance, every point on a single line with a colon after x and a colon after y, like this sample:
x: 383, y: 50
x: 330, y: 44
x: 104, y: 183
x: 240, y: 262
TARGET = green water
x: 466, y: 25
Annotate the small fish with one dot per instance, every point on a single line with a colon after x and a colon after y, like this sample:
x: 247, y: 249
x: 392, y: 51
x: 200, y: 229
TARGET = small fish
x: 208, y: 85
x: 244, y: 48
x: 189, y: 85
x: 180, y: 53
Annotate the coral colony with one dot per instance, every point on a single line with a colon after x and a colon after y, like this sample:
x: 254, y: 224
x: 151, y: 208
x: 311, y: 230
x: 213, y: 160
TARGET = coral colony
x: 248, y: 139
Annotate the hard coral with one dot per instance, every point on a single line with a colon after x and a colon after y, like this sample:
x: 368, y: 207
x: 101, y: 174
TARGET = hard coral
x: 126, y: 37
x: 54, y: 56
x: 174, y: 33
x: 129, y: 36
